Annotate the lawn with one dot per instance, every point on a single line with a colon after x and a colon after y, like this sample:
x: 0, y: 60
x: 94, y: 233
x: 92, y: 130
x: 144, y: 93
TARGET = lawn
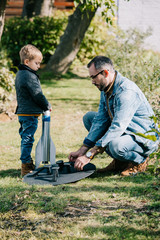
x: 101, y: 207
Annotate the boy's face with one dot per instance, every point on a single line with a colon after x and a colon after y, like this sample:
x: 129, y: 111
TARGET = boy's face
x: 34, y: 64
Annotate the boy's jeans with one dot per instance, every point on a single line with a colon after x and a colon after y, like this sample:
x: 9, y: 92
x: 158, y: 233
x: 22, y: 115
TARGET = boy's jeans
x: 124, y: 148
x: 28, y: 127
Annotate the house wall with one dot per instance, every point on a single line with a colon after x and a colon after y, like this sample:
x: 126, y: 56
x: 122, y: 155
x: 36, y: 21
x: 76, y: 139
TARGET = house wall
x: 141, y: 14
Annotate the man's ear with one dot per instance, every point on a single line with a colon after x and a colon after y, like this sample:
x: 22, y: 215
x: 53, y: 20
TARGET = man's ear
x: 106, y: 73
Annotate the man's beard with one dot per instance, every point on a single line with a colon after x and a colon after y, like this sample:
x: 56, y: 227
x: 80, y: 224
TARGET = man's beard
x: 101, y: 87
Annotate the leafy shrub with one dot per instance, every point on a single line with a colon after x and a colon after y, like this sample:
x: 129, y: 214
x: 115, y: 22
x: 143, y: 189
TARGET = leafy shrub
x: 6, y: 77
x: 133, y: 61
x: 4, y: 60
x: 154, y: 167
x: 6, y: 83
x: 43, y: 32
x: 94, y: 41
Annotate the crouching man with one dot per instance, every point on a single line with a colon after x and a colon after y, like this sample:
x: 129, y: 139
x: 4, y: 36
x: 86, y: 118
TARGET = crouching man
x: 123, y: 112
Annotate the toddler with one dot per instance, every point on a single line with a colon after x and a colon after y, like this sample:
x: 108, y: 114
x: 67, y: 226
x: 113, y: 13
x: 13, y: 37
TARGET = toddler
x: 30, y: 102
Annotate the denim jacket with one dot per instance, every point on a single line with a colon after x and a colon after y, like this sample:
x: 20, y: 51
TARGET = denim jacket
x: 131, y: 114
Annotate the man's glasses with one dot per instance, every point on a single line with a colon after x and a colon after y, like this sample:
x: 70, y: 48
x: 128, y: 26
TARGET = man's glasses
x: 94, y: 76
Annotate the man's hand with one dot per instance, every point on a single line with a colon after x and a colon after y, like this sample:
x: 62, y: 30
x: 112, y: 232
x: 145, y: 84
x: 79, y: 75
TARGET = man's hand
x: 81, y: 159
x: 74, y: 155
x: 81, y: 162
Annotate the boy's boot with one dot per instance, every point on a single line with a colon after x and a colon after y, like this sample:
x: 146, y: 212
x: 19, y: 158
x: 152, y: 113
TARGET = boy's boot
x: 27, y: 168
x: 114, y: 166
x: 135, y: 168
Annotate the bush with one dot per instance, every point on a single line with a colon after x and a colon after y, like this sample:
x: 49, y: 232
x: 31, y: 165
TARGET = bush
x: 43, y: 32
x: 6, y: 83
x: 133, y: 61
x: 94, y: 42
x: 6, y: 77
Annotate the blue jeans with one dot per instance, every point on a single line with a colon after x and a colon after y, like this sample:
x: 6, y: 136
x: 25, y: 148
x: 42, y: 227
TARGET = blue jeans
x: 28, y: 127
x: 124, y: 148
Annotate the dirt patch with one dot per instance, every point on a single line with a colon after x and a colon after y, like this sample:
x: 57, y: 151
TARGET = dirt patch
x: 7, y: 116
x: 4, y: 117
x: 8, y: 113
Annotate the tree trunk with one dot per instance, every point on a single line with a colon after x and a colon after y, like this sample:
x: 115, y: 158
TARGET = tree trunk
x: 28, y: 8
x: 41, y: 8
x: 2, y: 15
x: 44, y: 8
x: 66, y: 51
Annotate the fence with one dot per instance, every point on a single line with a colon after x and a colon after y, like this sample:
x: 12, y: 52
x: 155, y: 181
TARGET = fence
x: 15, y: 7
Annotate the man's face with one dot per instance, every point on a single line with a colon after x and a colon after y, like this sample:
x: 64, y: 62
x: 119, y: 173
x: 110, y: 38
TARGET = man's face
x: 98, y: 78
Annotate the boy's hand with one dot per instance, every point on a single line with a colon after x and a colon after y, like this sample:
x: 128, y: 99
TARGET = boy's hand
x: 50, y: 107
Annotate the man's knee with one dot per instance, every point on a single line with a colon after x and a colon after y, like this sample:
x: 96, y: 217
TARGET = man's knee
x: 116, y: 148
x: 87, y: 119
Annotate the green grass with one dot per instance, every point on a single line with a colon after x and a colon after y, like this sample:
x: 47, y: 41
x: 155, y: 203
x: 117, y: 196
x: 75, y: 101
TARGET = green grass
x: 101, y: 207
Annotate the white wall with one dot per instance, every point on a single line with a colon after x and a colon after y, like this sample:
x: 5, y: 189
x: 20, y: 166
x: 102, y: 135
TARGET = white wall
x: 141, y: 14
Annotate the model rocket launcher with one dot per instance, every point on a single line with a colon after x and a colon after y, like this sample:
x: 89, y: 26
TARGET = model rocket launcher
x: 52, y: 172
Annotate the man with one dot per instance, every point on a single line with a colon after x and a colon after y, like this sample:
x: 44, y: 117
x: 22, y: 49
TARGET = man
x: 123, y: 112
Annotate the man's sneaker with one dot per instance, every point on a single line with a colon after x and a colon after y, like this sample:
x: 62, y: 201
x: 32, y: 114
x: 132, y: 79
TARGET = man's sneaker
x: 114, y: 166
x: 135, y: 168
x: 27, y: 168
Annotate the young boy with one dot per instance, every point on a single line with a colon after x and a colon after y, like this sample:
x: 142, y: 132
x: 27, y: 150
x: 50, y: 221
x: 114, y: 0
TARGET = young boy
x: 30, y: 102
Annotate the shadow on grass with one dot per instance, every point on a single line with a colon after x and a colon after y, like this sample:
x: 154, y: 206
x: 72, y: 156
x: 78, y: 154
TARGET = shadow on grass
x: 14, y: 173
x: 48, y: 198
x: 137, y: 178
x: 114, y: 186
x: 80, y: 101
x: 115, y: 191
x: 119, y: 232
x: 143, y: 184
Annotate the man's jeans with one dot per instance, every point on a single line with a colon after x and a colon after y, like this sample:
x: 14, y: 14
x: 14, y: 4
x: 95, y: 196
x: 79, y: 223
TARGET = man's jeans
x: 124, y: 148
x: 28, y: 127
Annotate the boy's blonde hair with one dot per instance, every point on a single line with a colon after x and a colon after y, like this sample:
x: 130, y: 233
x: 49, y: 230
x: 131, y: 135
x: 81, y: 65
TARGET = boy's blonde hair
x: 29, y: 52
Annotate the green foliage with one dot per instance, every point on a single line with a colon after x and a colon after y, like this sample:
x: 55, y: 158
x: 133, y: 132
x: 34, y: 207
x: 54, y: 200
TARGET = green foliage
x: 107, y: 11
x: 4, y: 60
x: 133, y: 61
x: 156, y: 167
x: 94, y: 40
x: 6, y: 77
x: 126, y: 51
x: 150, y: 137
x: 90, y: 4
x: 43, y: 32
